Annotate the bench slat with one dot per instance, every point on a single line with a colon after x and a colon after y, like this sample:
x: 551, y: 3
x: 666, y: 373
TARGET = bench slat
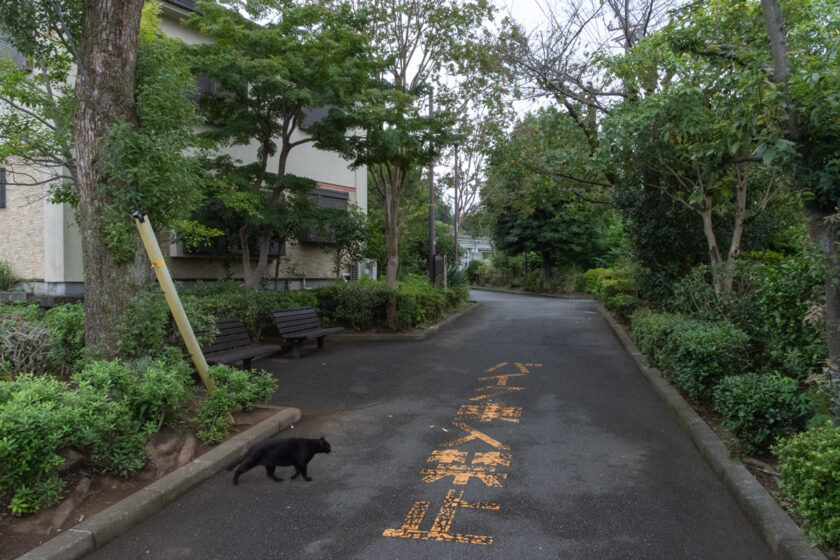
x: 300, y: 324
x: 233, y: 344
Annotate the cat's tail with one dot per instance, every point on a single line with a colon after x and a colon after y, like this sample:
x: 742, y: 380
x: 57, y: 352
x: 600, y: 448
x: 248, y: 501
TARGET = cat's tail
x: 230, y: 466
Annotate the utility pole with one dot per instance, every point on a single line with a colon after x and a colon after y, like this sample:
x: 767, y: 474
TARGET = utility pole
x: 432, y: 211
x: 457, y: 209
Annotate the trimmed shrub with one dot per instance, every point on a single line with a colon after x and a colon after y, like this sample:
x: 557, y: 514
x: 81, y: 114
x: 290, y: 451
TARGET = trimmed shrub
x: 148, y: 326
x: 354, y: 305
x: 809, y: 463
x: 651, y: 330
x: 623, y: 305
x: 698, y: 353
x: 694, y: 354
x: 760, y: 408
x: 362, y: 305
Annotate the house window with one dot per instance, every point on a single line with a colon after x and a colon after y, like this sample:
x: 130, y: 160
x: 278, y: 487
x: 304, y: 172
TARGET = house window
x: 2, y: 188
x: 7, y: 50
x: 327, y: 198
x: 330, y: 199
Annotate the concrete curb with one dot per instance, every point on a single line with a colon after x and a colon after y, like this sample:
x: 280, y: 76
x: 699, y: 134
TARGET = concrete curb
x: 779, y: 531
x: 408, y: 337
x: 85, y: 538
x: 533, y: 294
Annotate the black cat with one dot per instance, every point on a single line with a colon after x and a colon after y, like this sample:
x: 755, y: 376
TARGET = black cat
x: 272, y: 453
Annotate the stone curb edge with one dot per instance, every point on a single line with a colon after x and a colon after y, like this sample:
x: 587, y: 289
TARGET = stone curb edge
x: 92, y: 534
x: 576, y: 297
x: 777, y: 529
x: 409, y: 337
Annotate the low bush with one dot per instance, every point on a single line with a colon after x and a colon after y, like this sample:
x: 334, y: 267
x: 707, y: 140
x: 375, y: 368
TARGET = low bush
x: 236, y: 389
x: 605, y: 283
x: 651, y: 330
x: 419, y: 303
x: 759, y: 409
x: 358, y: 305
x: 67, y: 337
x: 108, y: 411
x: 623, y: 305
x: 473, y: 270
x: 809, y: 463
x: 694, y: 354
x: 33, y: 426
x: 592, y: 279
x: 699, y: 353
x: 252, y: 307
x: 148, y: 327
x: 362, y: 305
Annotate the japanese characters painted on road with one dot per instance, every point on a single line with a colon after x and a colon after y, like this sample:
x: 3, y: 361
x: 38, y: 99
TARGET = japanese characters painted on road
x: 451, y: 463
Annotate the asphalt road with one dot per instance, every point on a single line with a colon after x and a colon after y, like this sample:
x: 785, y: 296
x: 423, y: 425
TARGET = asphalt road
x: 522, y: 430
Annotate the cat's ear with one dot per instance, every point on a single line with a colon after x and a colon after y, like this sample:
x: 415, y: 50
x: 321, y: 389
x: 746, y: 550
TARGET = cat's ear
x: 323, y: 439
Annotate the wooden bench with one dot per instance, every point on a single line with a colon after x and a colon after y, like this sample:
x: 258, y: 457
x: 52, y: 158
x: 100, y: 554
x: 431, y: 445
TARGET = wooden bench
x: 233, y: 344
x: 299, y: 324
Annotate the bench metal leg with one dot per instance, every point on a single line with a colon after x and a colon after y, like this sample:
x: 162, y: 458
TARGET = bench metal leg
x: 246, y: 363
x: 320, y: 342
x: 296, y: 350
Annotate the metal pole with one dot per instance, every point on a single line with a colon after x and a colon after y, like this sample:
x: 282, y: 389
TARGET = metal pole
x: 168, y: 287
x: 455, y: 184
x: 432, y: 211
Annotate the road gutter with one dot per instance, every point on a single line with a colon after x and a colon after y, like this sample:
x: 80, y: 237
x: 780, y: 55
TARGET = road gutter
x: 777, y: 529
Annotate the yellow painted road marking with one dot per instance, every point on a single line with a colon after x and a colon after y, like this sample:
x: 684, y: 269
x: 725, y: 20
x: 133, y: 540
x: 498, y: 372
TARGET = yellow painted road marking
x: 487, y: 412
x: 502, y: 379
x: 442, y: 524
x: 522, y: 367
x: 474, y: 434
x: 497, y: 366
x: 495, y: 391
x: 491, y: 458
x: 483, y: 467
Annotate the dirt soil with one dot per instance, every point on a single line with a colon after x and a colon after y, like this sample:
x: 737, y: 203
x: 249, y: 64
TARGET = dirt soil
x: 89, y: 491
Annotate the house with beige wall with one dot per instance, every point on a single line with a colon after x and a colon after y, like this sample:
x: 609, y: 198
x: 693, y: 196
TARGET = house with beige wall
x: 40, y: 241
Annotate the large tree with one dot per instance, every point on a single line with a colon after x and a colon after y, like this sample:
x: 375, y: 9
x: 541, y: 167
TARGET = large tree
x: 132, y: 122
x: 267, y: 78
x: 691, y: 133
x: 535, y: 212
x: 805, y: 58
x: 423, y: 41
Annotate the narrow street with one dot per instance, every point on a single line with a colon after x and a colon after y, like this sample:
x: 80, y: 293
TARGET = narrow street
x: 521, y: 430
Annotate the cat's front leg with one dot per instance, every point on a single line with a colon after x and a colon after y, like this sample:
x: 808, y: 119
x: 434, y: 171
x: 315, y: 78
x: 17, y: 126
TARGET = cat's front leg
x: 301, y: 470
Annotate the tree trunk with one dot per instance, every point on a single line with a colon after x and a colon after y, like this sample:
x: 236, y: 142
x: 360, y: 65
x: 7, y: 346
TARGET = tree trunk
x: 108, y: 55
x: 822, y: 231
x: 738, y: 227
x: 546, y: 271
x: 247, y: 273
x: 827, y: 235
x: 392, y: 237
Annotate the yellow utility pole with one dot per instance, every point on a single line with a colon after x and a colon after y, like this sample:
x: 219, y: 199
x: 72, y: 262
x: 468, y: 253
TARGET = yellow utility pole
x: 168, y: 287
